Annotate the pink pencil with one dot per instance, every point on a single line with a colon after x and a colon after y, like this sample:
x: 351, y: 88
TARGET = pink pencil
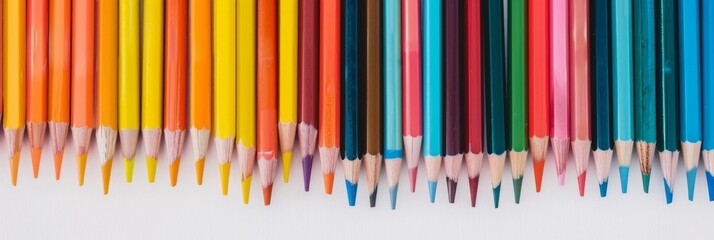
x: 411, y: 82
x: 560, y: 110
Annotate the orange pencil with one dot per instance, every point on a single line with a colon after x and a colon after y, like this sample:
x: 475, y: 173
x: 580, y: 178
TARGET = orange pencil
x: 37, y: 36
x: 267, y: 142
x: 82, y: 75
x: 329, y: 137
x: 200, y: 80
x: 14, y: 77
x: 175, y: 82
x: 107, y: 72
x: 60, y: 45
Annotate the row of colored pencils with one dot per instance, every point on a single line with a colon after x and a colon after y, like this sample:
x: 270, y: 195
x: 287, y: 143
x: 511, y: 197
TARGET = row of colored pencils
x: 385, y: 77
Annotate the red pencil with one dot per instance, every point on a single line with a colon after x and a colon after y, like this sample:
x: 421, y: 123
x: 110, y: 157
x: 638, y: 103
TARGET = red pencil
x: 474, y: 134
x: 411, y: 82
x: 539, y: 84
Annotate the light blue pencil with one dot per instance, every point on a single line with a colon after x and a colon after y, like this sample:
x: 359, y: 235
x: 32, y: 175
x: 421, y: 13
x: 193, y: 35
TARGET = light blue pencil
x: 622, y: 107
x: 690, y: 89
x: 392, y: 57
x: 432, y: 53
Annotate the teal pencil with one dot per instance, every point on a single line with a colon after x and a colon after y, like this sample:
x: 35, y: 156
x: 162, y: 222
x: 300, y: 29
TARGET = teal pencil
x: 393, y: 148
x: 643, y: 17
x: 432, y: 74
x: 622, y: 107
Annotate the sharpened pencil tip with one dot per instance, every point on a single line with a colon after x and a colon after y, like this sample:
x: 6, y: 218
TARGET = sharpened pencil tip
x: 624, y: 175
x: 267, y: 194
x: 199, y: 165
x: 328, y: 179
x: 36, y: 154
x: 667, y: 192
x: 225, y: 171
x: 81, y: 166
x: 351, y: 192
x: 646, y: 182
x: 432, y: 191
x: 496, y: 195
x: 106, y: 175
x: 287, y: 160
x: 603, y: 188
x: 393, y: 196
x: 451, y: 189
x: 128, y: 169
x: 691, y: 180
x: 538, y: 167
x: 473, y: 187
x: 373, y: 198
x: 173, y: 171
x: 581, y: 183
x: 412, y: 179
x: 14, y: 166
x: 245, y: 188
x: 151, y: 169
x: 306, y: 171
x: 58, y: 164
x: 517, y: 183
x: 710, y: 184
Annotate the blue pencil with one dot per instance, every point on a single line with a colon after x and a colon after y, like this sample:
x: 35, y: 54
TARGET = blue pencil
x: 350, y: 150
x: 393, y: 145
x: 431, y: 45
x: 601, y: 92
x: 708, y: 88
x: 622, y: 109
x: 690, y: 111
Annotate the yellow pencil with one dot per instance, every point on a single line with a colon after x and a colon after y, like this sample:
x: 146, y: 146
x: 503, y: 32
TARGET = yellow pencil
x: 224, y: 88
x: 245, y: 141
x: 129, y: 81
x: 287, y: 84
x: 152, y: 77
x: 14, y: 77
x: 107, y: 43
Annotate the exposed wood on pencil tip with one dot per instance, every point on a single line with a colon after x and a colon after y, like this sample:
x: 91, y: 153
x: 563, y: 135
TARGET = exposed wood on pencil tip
x: 58, y: 136
x: 624, y: 152
x: 372, y: 166
x: 690, y: 154
x: 645, y: 153
x: 152, y: 142
x: 200, y: 139
x: 433, y: 167
x: 603, y: 161
x: 496, y: 163
x: 128, y: 139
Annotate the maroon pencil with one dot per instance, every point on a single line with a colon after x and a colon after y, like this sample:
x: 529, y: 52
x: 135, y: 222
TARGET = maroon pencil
x: 473, y: 124
x: 307, y: 77
x: 452, y: 97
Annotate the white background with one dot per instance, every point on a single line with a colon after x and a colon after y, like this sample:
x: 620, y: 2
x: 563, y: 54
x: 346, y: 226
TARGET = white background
x: 44, y: 208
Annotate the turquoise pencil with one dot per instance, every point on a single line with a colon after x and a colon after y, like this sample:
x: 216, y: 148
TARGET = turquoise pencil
x: 708, y: 87
x: 622, y: 107
x: 690, y: 111
x: 392, y: 57
x: 643, y: 18
x: 432, y: 52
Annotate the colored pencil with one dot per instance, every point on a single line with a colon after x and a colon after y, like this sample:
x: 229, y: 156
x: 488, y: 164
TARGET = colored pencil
x: 152, y: 88
x: 559, y: 86
x: 494, y: 74
x: 690, y: 111
x: 453, y: 139
x: 82, y: 78
x: 287, y: 84
x: 432, y: 113
x: 580, y: 88
x: 412, y: 89
x: 14, y: 66
x: 393, y: 141
x: 224, y: 86
x: 37, y: 37
x: 474, y: 116
x: 622, y: 86
x: 245, y: 73
x: 602, y: 129
x: 129, y: 82
x: 307, y: 79
x: 329, y: 138
x: 371, y: 20
x: 176, y: 61
x: 107, y: 56
x: 267, y: 107
x: 708, y: 87
x: 643, y: 19
x: 538, y: 84
x: 667, y: 89
x: 517, y: 91
x: 59, y: 78
x: 200, y: 80
x: 350, y: 151
x: 2, y: 46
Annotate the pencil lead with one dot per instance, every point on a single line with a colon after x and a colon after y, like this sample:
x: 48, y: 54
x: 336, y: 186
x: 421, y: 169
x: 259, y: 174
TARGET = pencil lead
x: 518, y: 167
x: 393, y: 196
x: 81, y: 166
x: 393, y: 167
x: 432, y: 191
x: 245, y: 188
x: 603, y: 188
x: 306, y: 171
x: 199, y: 165
x: 667, y: 192
x: 174, y: 170
x: 473, y: 170
x: 624, y: 175
x: 691, y: 179
x: 328, y: 179
x: 690, y: 153
x: 433, y: 168
x: 351, y: 168
x: 539, y: 149
x: 287, y: 160
x: 58, y: 164
x: 452, y: 169
x: 710, y: 185
x: 128, y: 169
x: 412, y: 152
x: 708, y: 159
x: 36, y: 154
x: 645, y: 153
x: 668, y: 161
x: 151, y: 168
x: 646, y: 182
x: 372, y: 167
x: 603, y: 161
x: 14, y: 166
x: 225, y: 170
x: 267, y: 194
x: 581, y: 153
x: 106, y: 175
x: 496, y: 195
x: 473, y: 187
